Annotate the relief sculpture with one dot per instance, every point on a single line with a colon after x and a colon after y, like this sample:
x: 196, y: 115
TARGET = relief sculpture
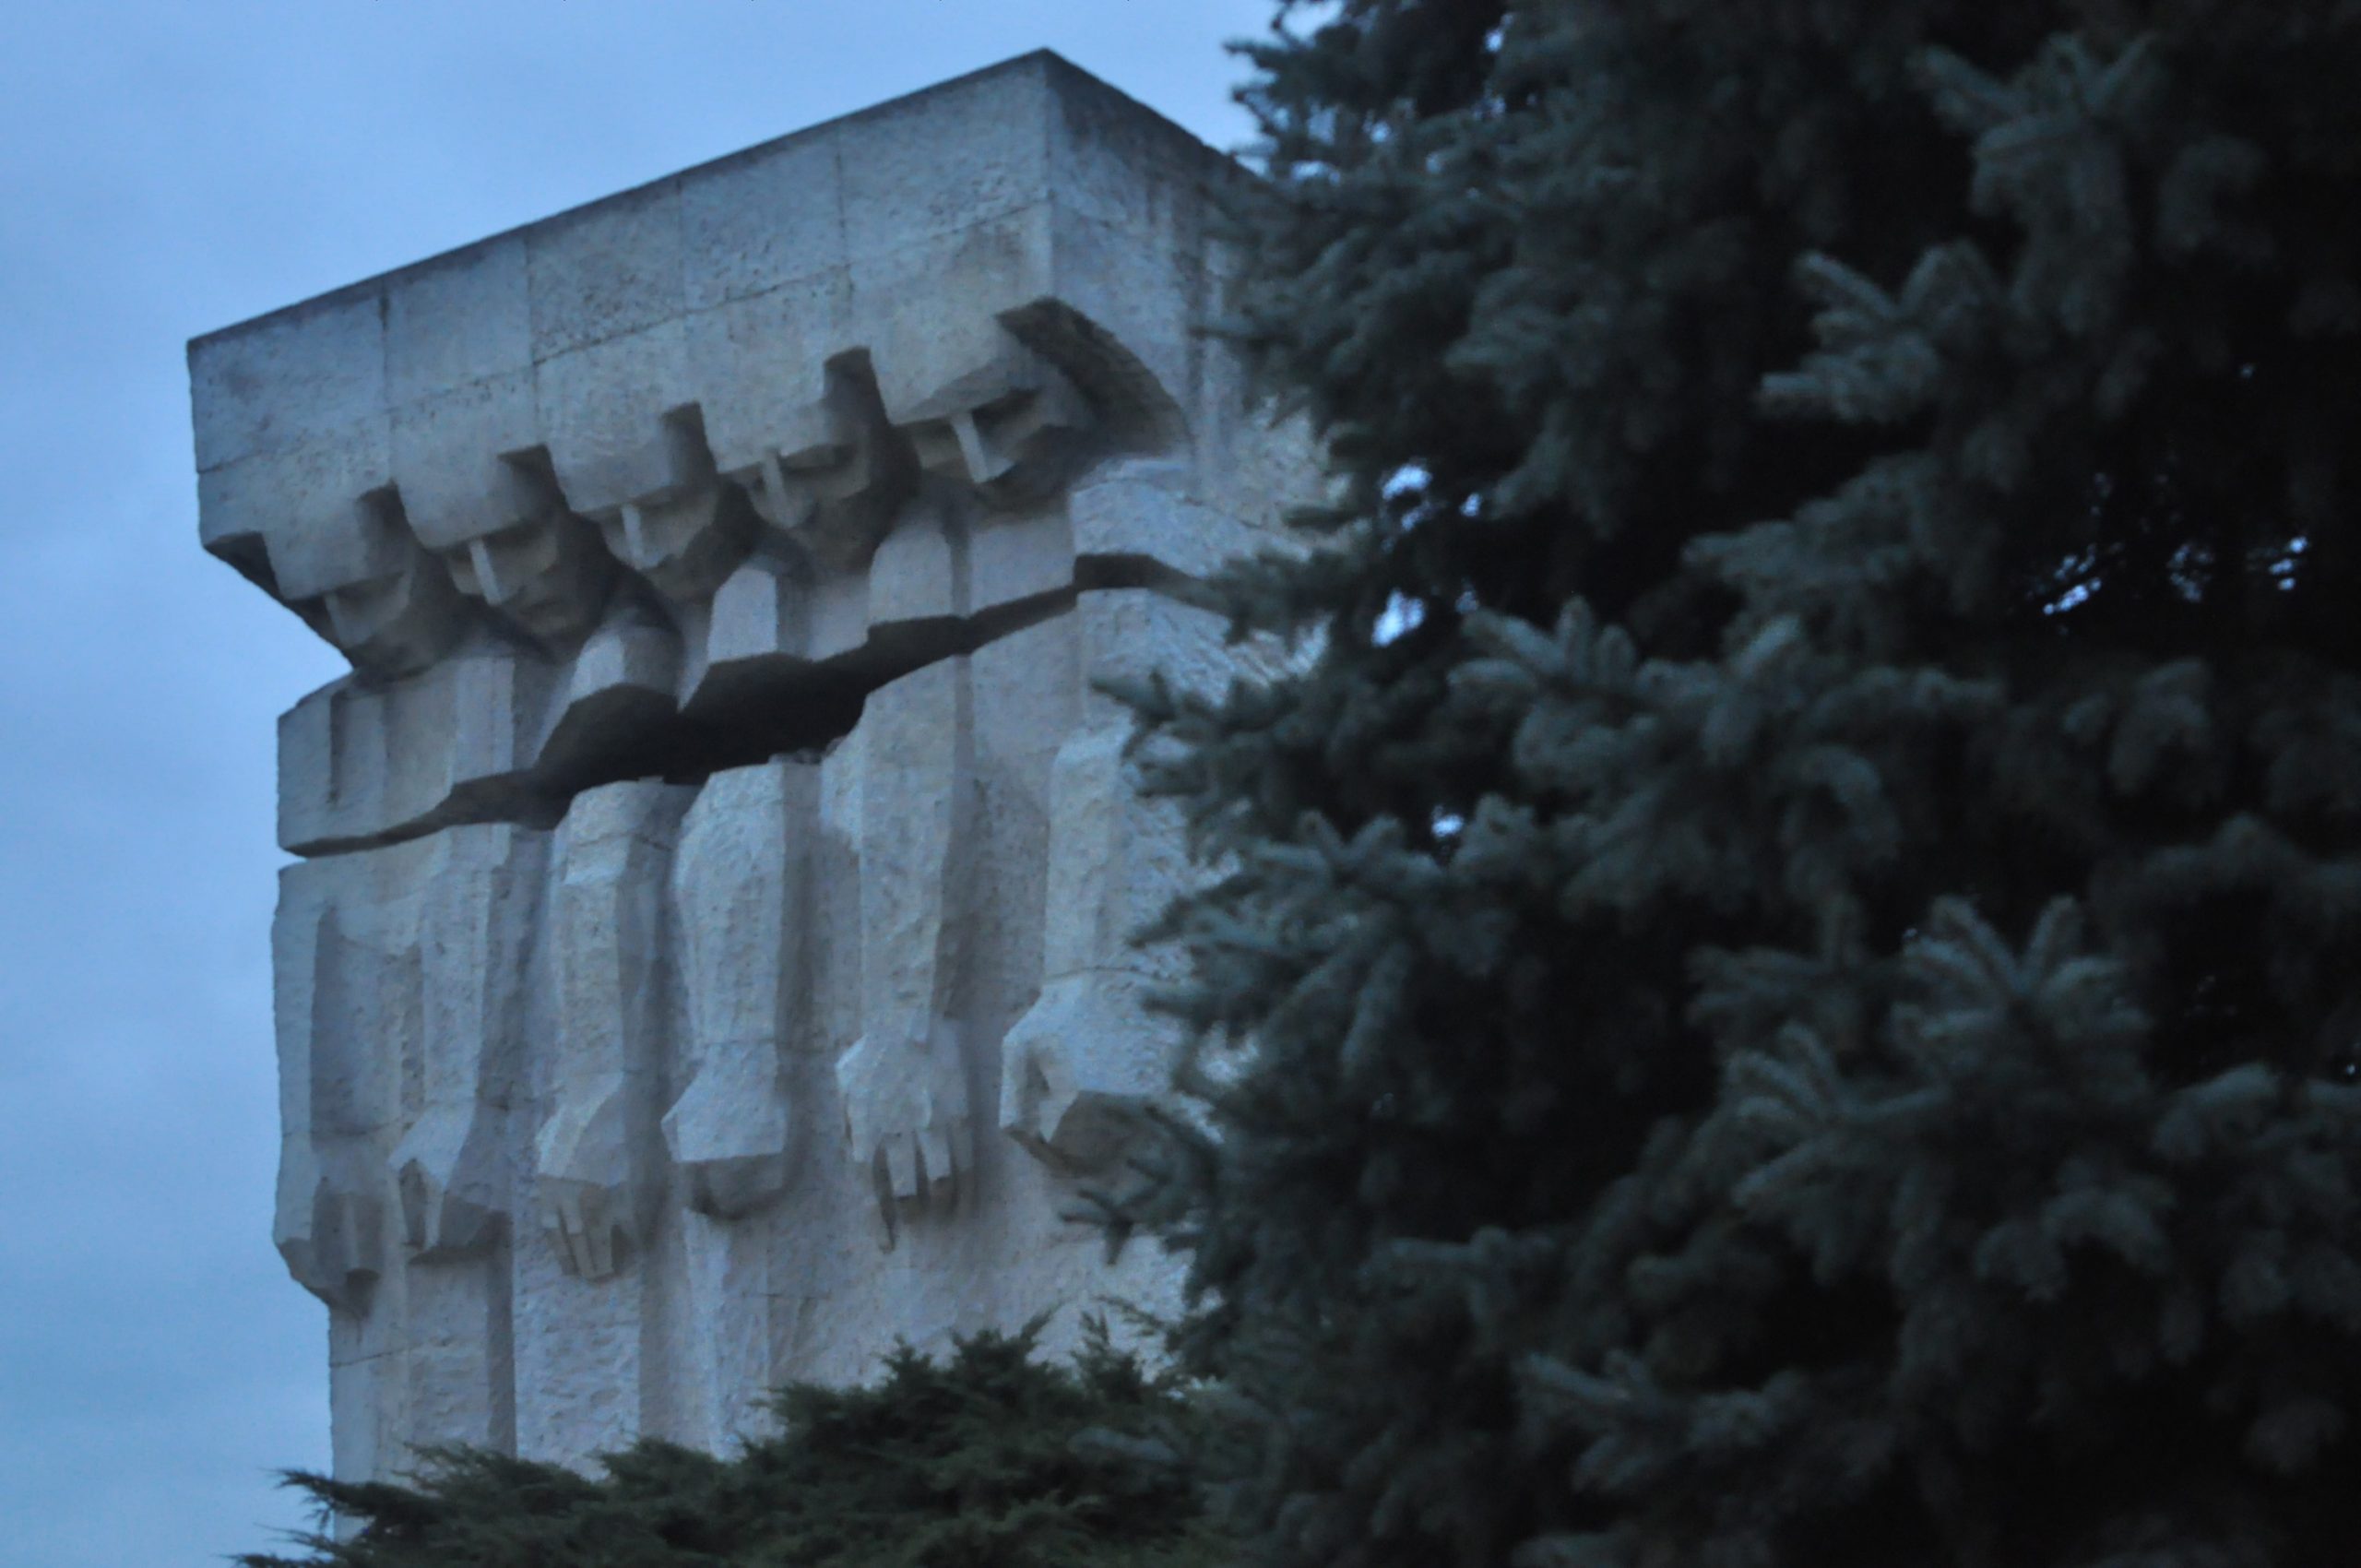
x: 710, y: 955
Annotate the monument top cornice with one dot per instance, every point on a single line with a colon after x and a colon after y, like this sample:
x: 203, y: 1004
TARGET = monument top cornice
x: 756, y: 436
x: 1053, y: 69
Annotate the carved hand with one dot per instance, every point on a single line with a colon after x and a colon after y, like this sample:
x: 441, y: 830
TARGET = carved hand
x: 730, y: 1139
x: 446, y: 1170
x: 1074, y: 1068
x: 906, y: 1110
x: 329, y: 1225
x: 583, y: 1176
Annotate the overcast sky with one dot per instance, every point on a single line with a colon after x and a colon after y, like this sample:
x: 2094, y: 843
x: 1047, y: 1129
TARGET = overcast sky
x: 168, y: 167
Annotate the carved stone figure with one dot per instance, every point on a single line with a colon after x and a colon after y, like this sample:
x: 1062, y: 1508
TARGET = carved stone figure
x: 738, y: 883
x: 721, y: 830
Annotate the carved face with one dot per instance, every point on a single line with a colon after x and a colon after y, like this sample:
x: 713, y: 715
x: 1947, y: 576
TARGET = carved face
x: 548, y: 575
x: 685, y: 547
x: 362, y: 582
x: 1020, y: 445
x: 395, y: 625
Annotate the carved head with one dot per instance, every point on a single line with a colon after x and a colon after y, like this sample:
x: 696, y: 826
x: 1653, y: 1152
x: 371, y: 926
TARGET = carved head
x: 686, y: 544
x: 828, y: 474
x: 510, y: 543
x: 547, y: 575
x: 369, y: 589
x: 1009, y: 424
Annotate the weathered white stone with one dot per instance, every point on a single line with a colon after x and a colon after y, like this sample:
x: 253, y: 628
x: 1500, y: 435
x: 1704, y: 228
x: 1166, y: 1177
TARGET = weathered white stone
x: 481, y: 887
x: 1140, y: 511
x: 604, y: 409
x: 347, y: 1008
x: 594, y: 1154
x: 458, y: 319
x: 758, y: 631
x: 457, y: 458
x: 914, y: 578
x: 606, y: 269
x: 397, y: 1029
x: 1014, y: 557
x: 759, y: 363
x: 320, y: 526
x: 720, y: 802
x: 458, y: 1360
x: 621, y: 684
x: 942, y: 160
x: 292, y: 378
x: 738, y: 888
x: 362, y: 764
x: 733, y: 242
x: 1079, y: 1063
x: 905, y: 1081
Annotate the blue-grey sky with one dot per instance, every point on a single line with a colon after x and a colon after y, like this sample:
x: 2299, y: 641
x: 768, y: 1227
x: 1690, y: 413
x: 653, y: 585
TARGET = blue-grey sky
x: 168, y: 167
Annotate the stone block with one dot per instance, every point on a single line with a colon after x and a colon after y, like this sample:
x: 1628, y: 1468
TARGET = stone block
x: 322, y: 529
x: 840, y: 623
x: 768, y: 216
x: 758, y: 365
x: 460, y: 1363
x: 605, y: 270
x: 1131, y: 633
x: 929, y: 313
x: 941, y: 161
x: 361, y: 765
x: 454, y: 459
x: 624, y: 683
x: 547, y: 579
x: 759, y: 632
x: 603, y: 413
x: 684, y: 544
x: 1132, y: 172
x: 302, y: 502
x: 292, y: 376
x: 1076, y: 1068
x: 480, y: 893
x: 459, y: 319
x: 1140, y: 511
x: 347, y: 1007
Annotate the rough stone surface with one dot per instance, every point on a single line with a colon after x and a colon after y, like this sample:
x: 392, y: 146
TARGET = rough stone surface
x: 719, y: 837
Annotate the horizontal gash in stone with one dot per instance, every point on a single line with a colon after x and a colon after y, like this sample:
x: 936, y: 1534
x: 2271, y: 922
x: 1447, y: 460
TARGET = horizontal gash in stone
x: 720, y: 820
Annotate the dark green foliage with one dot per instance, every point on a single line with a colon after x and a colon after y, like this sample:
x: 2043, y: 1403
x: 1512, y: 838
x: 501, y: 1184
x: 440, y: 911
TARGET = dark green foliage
x: 989, y: 1460
x: 1800, y: 940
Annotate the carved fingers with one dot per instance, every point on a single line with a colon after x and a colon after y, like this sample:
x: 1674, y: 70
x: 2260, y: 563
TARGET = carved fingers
x: 907, y: 1118
x: 446, y: 1170
x: 1076, y: 1067
x: 586, y: 1223
x: 583, y: 1181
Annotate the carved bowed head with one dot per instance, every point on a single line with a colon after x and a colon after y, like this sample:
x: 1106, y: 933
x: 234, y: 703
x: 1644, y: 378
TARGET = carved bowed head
x: 526, y: 558
x: 369, y: 591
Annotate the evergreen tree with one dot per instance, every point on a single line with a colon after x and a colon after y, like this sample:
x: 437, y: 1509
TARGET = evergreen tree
x: 1783, y: 984
x: 990, y: 1458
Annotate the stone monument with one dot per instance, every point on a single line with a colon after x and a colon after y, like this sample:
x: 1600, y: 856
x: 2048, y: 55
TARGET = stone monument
x: 718, y: 843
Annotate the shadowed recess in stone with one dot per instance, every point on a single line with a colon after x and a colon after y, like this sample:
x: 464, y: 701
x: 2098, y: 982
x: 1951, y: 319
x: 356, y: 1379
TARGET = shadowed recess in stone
x: 732, y: 728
